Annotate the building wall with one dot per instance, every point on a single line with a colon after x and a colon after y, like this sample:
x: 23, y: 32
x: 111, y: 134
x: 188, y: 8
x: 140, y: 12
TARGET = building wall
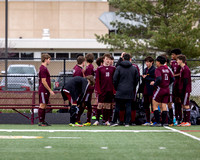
x: 64, y: 19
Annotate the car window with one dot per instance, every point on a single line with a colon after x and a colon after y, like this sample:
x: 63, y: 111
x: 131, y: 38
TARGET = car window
x: 21, y: 70
x: 16, y: 80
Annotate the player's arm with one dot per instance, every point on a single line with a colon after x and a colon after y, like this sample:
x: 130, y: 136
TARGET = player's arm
x: 157, y: 81
x: 97, y: 86
x: 177, y: 75
x: 44, y: 82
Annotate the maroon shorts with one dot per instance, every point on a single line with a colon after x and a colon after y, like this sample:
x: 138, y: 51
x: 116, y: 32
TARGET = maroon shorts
x: 44, y: 97
x: 186, y: 99
x: 161, y: 95
x: 106, y: 97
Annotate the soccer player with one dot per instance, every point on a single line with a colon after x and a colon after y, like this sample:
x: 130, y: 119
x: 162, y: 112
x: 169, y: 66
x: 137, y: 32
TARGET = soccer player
x: 184, y: 89
x: 147, y: 89
x: 105, y: 89
x: 44, y: 89
x: 75, y: 90
x: 176, y: 97
x: 89, y: 71
x: 163, y: 78
x: 78, y: 69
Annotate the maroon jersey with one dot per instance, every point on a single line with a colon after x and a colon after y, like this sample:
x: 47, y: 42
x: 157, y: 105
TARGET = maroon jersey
x: 185, y: 73
x: 175, y: 67
x: 78, y: 71
x: 89, y: 70
x: 136, y: 66
x: 166, y: 75
x: 44, y: 73
x: 104, y: 79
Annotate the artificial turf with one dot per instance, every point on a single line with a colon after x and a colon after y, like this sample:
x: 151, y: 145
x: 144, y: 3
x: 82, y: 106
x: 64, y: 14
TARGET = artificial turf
x: 88, y: 146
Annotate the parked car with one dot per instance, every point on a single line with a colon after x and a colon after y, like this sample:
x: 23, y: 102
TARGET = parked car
x: 16, y: 84
x: 59, y: 82
x: 24, y: 70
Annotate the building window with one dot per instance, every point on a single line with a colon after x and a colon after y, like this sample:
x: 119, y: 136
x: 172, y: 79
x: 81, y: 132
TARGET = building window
x: 62, y: 56
x: 101, y: 54
x: 51, y: 54
x: 95, y: 55
x: 13, y: 55
x: 27, y: 55
x: 74, y: 55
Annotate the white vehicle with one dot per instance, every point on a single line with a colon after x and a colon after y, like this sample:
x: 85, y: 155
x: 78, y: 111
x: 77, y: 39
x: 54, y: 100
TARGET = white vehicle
x: 23, y: 70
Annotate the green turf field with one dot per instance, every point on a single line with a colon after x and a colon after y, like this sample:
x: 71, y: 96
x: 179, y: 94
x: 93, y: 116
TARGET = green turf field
x: 59, y: 142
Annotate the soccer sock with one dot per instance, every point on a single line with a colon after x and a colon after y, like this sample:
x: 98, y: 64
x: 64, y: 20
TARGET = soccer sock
x: 171, y: 115
x: 41, y: 114
x: 105, y: 114
x: 180, y: 111
x: 164, y: 116
x: 147, y: 111
x: 98, y: 114
x: 187, y: 115
x: 133, y: 115
x: 121, y: 115
x: 184, y: 115
x: 89, y: 114
x: 157, y: 116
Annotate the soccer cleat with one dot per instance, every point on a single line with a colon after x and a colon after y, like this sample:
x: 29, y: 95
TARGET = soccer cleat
x: 155, y: 124
x: 96, y: 123
x: 187, y: 124
x: 101, y: 117
x: 107, y: 123
x: 87, y: 124
x: 146, y: 124
x: 182, y: 124
x: 114, y: 125
x: 170, y: 125
x: 93, y: 117
x: 43, y: 124
x: 71, y: 124
x: 126, y: 125
x: 78, y: 125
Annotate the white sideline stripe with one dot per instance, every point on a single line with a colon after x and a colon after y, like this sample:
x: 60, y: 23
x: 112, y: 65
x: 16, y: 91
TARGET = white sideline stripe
x: 122, y: 131
x: 184, y: 133
x: 66, y: 137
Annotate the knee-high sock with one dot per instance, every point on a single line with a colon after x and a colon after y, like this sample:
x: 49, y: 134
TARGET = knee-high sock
x: 147, y: 111
x: 41, y: 114
x: 157, y: 116
x: 164, y: 117
x: 98, y: 114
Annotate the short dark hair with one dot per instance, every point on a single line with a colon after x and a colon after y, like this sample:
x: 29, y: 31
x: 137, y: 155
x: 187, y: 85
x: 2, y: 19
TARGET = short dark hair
x: 80, y: 60
x: 78, y: 55
x: 182, y: 58
x: 149, y: 59
x: 176, y: 51
x: 166, y: 57
x: 161, y: 59
x: 99, y: 61
x: 126, y: 57
x: 112, y: 58
x: 108, y: 55
x: 89, y: 57
x: 45, y: 56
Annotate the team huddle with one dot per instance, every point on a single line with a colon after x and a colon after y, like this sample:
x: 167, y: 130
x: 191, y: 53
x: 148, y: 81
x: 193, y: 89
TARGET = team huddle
x: 116, y: 88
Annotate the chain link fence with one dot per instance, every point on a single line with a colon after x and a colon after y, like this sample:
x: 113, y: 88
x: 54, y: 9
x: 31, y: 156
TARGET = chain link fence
x: 60, y: 68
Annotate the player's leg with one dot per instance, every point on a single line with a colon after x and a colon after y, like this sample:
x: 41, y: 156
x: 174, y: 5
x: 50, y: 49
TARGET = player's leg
x: 128, y: 112
x: 133, y: 112
x: 80, y: 112
x: 106, y: 113
x: 99, y: 111
x: 147, y: 103
x: 156, y: 111
x: 164, y: 113
x: 186, y: 110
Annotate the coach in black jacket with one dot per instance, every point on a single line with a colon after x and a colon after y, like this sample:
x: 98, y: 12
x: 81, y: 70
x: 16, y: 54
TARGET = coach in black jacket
x: 125, y: 80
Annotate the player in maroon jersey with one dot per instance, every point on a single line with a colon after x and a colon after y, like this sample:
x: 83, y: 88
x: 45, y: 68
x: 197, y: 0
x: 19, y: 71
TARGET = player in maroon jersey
x: 105, y: 89
x: 184, y: 89
x: 78, y: 69
x: 176, y: 97
x: 161, y: 94
x: 44, y: 89
x: 146, y: 88
x: 88, y: 98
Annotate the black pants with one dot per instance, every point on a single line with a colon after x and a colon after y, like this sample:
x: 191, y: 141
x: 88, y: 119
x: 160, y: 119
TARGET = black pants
x: 123, y: 102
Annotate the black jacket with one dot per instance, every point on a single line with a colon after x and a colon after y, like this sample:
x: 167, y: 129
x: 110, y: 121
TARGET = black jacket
x: 77, y: 86
x: 147, y: 80
x: 125, y: 80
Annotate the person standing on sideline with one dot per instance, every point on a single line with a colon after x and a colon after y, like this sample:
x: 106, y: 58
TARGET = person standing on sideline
x: 146, y: 88
x: 185, y: 89
x: 125, y: 80
x: 78, y: 68
x: 163, y: 78
x: 105, y: 89
x: 176, y: 97
x: 44, y: 89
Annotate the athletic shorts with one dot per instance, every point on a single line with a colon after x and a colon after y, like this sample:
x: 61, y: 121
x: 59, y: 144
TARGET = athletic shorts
x: 44, y: 97
x: 186, y: 99
x: 106, y: 97
x: 161, y: 95
x: 67, y: 94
